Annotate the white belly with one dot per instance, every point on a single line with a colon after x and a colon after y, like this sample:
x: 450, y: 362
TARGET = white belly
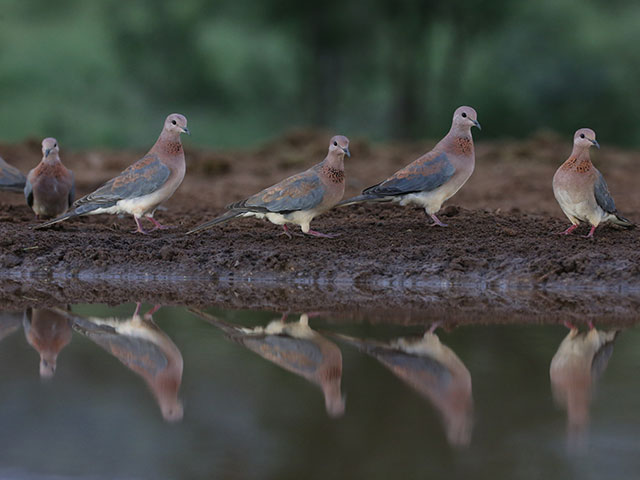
x: 580, y: 211
x: 302, y: 218
x: 432, y: 201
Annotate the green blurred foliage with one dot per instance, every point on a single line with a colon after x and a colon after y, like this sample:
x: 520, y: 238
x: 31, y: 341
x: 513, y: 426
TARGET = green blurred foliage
x: 105, y: 73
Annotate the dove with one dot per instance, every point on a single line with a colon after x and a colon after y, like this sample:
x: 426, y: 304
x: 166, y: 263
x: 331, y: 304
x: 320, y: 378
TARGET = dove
x: 11, y: 179
x: 48, y: 331
x: 580, y: 360
x: 296, y: 199
x: 434, y: 371
x: 434, y: 177
x: 295, y: 347
x: 580, y: 188
x: 50, y: 188
x: 143, y: 348
x: 143, y: 186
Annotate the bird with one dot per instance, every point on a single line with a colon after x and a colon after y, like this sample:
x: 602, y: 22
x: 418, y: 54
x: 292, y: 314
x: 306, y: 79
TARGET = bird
x: 434, y: 371
x: 140, y: 188
x: 296, y: 199
x: 48, y: 331
x: 143, y: 348
x: 580, y: 188
x: 50, y: 187
x: 434, y: 177
x: 295, y: 347
x: 11, y: 179
x: 580, y: 360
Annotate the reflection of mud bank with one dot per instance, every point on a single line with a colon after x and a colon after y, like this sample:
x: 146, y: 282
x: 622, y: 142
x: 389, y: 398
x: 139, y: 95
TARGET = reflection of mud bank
x: 351, y: 303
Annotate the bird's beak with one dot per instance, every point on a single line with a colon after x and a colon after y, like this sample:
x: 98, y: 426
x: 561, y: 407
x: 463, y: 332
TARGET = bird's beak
x: 347, y: 152
x: 46, y: 152
x: 475, y: 122
x: 595, y: 142
x: 186, y: 130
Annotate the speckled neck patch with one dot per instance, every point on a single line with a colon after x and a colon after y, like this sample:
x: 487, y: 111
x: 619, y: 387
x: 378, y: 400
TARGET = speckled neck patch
x: 173, y: 147
x: 335, y: 175
x: 463, y: 146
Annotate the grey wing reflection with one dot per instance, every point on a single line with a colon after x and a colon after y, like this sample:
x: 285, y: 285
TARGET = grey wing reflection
x: 577, y: 364
x: 435, y: 372
x: 48, y: 331
x: 295, y: 347
x: 143, y: 348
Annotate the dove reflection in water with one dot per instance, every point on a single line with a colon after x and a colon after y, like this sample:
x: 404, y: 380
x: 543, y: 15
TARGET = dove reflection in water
x: 295, y: 347
x: 580, y: 360
x: 435, y: 372
x: 48, y: 331
x: 145, y: 349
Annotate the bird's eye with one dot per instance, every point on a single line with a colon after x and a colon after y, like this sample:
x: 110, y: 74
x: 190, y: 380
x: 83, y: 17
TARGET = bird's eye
x: 55, y: 145
x: 335, y: 144
x: 464, y: 115
x: 582, y: 135
x: 173, y: 122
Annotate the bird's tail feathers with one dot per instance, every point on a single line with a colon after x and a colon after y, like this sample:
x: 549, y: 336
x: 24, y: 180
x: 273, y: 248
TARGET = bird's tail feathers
x: 623, y: 222
x: 226, y: 327
x: 365, y: 197
x: 61, y: 218
x: 216, y: 221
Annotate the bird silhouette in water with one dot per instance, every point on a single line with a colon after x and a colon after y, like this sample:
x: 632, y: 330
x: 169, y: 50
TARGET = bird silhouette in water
x: 48, y: 331
x: 143, y: 348
x: 434, y: 371
x: 295, y: 347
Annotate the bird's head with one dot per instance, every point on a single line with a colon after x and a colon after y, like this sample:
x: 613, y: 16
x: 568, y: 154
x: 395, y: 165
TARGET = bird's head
x: 465, y: 117
x: 585, y: 138
x: 176, y: 123
x: 49, y: 146
x: 340, y: 146
x: 47, y: 367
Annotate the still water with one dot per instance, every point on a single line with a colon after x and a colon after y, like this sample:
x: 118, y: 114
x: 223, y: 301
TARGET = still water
x: 91, y: 391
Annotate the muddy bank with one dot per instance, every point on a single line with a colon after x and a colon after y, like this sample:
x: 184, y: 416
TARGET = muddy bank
x: 501, y: 235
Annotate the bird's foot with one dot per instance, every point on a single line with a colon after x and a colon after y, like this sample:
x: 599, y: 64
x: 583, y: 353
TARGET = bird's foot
x: 568, y: 230
x: 590, y: 234
x: 285, y: 231
x: 149, y: 314
x: 322, y: 235
x: 139, y: 228
x: 436, y: 221
x: 569, y: 325
x: 591, y: 325
x: 434, y: 326
x: 157, y: 225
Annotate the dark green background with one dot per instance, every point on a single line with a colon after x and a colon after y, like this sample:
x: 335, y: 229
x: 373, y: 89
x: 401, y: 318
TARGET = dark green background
x: 105, y: 73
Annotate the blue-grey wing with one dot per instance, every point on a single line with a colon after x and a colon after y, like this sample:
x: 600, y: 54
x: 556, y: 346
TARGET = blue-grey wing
x: 142, y: 178
x: 423, y: 175
x: 10, y: 177
x: 418, y: 367
x: 303, y: 191
x: 603, y: 197
x: 295, y: 354
x: 28, y: 193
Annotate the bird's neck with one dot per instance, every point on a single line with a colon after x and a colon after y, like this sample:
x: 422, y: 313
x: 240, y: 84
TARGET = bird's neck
x: 52, y: 159
x: 458, y: 140
x: 333, y: 167
x: 580, y: 160
x: 168, y: 143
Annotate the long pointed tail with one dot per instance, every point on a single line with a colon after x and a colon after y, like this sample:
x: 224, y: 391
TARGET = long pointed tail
x: 61, y: 218
x: 226, y: 327
x: 366, y: 197
x: 623, y: 222
x: 216, y: 221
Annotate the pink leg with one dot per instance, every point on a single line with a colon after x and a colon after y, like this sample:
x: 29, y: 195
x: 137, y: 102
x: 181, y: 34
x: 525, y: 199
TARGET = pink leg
x: 137, y: 312
x: 286, y: 231
x: 568, y: 324
x: 322, y: 235
x: 436, y: 221
x: 569, y: 230
x: 434, y: 326
x: 590, y: 234
x: 157, y: 224
x: 139, y: 225
x: 591, y: 325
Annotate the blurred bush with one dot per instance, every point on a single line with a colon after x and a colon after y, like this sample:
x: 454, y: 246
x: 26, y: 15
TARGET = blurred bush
x: 106, y: 72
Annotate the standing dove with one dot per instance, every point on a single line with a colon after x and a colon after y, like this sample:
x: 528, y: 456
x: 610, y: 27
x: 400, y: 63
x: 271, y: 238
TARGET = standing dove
x: 580, y: 188
x: 295, y: 347
x: 434, y: 177
x: 11, y: 179
x: 143, y: 186
x: 50, y: 188
x: 143, y: 348
x: 297, y: 199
